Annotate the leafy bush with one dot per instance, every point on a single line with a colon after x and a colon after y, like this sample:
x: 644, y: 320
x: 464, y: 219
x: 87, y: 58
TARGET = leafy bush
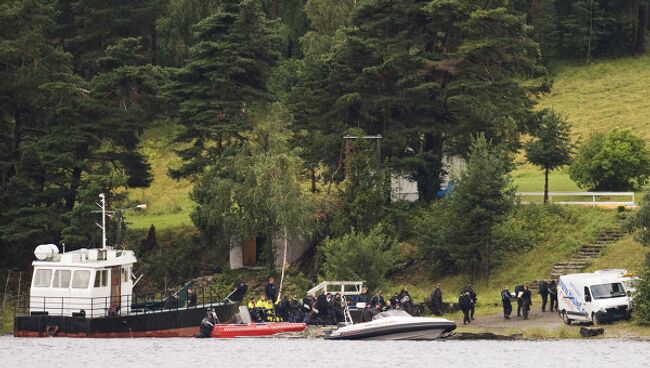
x: 358, y: 256
x: 617, y: 160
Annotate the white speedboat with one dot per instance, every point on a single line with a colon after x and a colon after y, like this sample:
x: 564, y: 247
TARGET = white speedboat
x: 395, y: 324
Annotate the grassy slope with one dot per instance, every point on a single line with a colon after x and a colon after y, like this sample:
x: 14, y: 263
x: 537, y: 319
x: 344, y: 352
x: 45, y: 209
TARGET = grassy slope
x: 168, y: 200
x: 536, y: 262
x: 595, y: 98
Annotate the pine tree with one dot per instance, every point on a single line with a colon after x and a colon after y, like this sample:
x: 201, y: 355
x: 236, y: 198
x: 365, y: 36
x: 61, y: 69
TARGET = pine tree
x: 482, y: 198
x: 225, y: 75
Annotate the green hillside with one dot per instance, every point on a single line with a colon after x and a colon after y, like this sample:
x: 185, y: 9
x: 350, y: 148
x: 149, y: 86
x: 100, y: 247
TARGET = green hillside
x: 595, y: 98
x: 603, y: 95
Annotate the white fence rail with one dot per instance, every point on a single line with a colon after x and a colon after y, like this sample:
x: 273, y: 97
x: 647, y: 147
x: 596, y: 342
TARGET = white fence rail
x: 594, y: 198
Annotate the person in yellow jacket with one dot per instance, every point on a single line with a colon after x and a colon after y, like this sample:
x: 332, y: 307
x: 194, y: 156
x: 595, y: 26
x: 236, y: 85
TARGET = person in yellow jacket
x: 252, y: 310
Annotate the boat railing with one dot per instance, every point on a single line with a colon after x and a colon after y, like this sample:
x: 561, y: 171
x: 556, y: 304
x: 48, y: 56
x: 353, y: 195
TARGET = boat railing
x: 345, y: 288
x: 109, y: 306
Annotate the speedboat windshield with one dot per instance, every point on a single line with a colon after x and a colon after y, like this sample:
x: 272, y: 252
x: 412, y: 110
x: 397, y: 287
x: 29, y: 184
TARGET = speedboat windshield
x: 392, y: 313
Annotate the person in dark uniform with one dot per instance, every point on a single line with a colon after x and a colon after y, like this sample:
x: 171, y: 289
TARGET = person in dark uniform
x: 519, y: 289
x: 465, y: 303
x: 526, y: 301
x: 436, y: 301
x: 191, y: 298
x: 543, y: 291
x: 270, y: 290
x: 364, y: 297
x: 552, y: 292
x: 473, y: 298
x: 323, y: 306
x: 378, y: 299
x: 507, y: 304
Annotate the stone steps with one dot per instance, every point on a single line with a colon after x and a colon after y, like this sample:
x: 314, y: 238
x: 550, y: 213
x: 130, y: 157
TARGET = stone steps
x: 585, y: 254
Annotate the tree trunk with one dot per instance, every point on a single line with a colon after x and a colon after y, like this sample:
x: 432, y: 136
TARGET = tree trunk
x: 545, y: 185
x: 312, y: 174
x: 284, y: 264
x: 642, y: 27
x: 591, y: 29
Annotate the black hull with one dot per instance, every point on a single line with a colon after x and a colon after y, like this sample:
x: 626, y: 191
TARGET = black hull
x: 165, y: 323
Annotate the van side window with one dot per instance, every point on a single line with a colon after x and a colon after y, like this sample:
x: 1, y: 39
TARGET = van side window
x: 43, y: 278
x: 62, y: 278
x: 587, y: 293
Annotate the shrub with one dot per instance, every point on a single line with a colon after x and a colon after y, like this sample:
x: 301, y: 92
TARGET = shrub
x: 358, y: 256
x: 617, y: 160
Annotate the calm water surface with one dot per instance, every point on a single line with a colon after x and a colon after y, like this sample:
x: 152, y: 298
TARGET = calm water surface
x: 307, y: 353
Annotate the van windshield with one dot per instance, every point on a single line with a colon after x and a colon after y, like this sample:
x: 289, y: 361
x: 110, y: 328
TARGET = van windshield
x: 604, y: 291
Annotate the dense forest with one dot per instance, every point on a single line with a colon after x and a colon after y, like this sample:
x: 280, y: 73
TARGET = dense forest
x: 264, y: 91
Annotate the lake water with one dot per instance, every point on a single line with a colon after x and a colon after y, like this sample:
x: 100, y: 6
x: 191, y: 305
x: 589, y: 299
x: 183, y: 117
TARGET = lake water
x: 308, y: 353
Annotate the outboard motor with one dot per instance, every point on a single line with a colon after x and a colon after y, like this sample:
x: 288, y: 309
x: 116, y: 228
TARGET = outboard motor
x: 207, y: 324
x: 237, y: 295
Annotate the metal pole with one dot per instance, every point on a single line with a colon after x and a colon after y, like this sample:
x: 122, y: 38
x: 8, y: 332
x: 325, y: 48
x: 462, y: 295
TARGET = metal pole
x: 103, y: 201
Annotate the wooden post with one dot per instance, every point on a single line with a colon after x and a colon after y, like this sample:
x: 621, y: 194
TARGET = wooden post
x: 4, y: 300
x: 284, y: 264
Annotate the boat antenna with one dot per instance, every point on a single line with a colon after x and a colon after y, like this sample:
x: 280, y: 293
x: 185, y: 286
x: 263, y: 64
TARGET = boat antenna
x: 103, y: 206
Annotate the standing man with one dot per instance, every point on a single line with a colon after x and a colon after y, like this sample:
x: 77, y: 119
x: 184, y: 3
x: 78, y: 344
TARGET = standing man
x: 543, y: 291
x: 507, y: 304
x: 526, y: 301
x: 270, y: 290
x: 465, y: 302
x: 436, y: 301
x: 552, y: 292
x: 519, y: 289
x: 473, y: 298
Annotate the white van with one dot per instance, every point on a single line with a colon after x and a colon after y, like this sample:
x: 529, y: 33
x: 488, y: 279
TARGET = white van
x: 592, y: 297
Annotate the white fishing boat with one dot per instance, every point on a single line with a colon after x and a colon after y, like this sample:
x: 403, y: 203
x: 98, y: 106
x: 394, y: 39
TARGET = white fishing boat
x: 395, y: 324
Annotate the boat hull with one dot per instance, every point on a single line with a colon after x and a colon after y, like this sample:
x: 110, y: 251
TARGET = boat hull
x: 256, y: 330
x: 182, y: 322
x: 410, y: 331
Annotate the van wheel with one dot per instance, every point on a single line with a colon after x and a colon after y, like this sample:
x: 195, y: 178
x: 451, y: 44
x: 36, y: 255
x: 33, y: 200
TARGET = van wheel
x: 565, y: 318
x: 594, y: 319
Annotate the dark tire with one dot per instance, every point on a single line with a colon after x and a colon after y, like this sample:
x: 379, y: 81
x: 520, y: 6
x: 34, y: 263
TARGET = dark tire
x: 565, y: 318
x: 594, y: 319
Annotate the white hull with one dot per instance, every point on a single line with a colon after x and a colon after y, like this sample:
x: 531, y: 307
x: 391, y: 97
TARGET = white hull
x: 395, y: 328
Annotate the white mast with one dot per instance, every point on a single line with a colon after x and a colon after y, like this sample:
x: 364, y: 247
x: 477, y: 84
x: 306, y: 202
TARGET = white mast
x: 103, y: 206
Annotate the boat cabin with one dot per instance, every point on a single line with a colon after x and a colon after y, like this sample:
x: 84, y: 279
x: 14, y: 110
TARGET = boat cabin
x: 86, y: 282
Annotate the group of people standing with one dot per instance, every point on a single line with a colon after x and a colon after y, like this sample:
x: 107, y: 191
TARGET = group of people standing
x: 523, y: 297
x: 466, y: 302
x: 324, y: 309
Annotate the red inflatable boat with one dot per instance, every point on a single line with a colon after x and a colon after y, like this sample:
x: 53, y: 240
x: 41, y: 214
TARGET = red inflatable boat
x: 225, y: 331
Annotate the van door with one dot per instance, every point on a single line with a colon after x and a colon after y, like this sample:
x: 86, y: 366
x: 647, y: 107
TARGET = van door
x: 116, y: 289
x: 588, y: 303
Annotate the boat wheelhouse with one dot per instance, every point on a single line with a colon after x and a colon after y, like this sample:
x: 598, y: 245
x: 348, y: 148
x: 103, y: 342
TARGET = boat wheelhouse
x: 89, y: 282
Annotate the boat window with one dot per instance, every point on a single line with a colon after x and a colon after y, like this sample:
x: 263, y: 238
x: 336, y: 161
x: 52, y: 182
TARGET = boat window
x: 125, y: 274
x: 62, y: 278
x: 42, y: 278
x: 80, y: 279
x: 101, y: 278
x: 604, y: 291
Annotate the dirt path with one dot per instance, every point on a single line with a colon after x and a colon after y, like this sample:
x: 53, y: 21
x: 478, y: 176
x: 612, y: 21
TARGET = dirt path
x: 497, y: 324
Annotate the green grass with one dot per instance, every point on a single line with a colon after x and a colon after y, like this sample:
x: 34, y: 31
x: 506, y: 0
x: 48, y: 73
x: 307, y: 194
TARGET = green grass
x: 603, y: 95
x: 167, y: 199
x: 626, y: 253
x: 559, y: 243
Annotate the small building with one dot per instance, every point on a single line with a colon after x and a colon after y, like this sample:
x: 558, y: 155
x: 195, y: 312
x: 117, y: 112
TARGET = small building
x: 247, y: 253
